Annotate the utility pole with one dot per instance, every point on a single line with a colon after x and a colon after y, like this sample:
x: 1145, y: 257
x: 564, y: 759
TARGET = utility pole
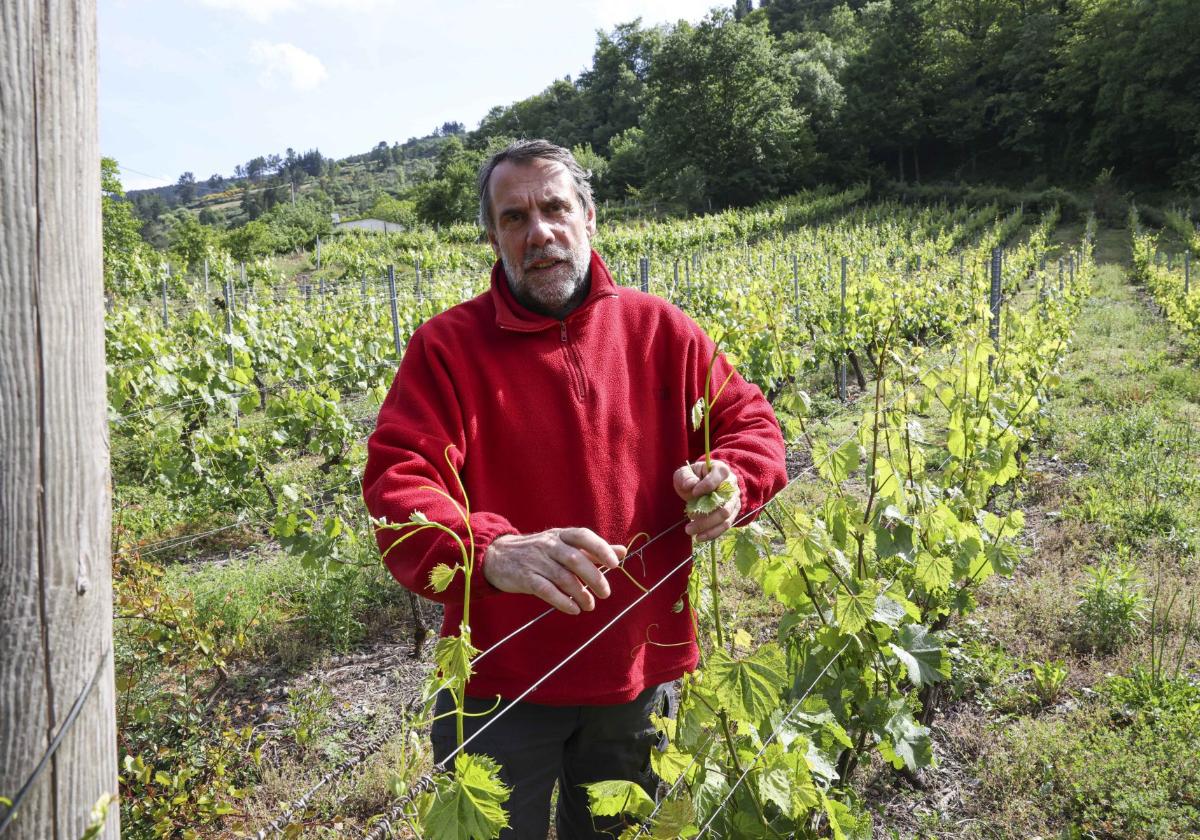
x: 56, y: 661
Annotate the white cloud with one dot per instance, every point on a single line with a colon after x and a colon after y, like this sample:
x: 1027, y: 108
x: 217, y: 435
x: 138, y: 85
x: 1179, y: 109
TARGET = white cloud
x: 288, y: 63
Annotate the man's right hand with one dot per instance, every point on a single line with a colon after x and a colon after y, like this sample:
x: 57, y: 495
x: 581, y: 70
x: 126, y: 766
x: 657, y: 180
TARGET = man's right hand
x: 561, y: 566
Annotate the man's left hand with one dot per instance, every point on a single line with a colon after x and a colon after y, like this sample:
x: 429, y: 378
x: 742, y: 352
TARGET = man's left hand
x: 695, y: 480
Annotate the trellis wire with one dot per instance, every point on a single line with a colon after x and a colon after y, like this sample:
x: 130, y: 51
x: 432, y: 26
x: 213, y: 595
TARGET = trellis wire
x: 175, y: 542
x: 770, y: 738
x: 647, y: 822
x: 280, y: 822
x: 274, y: 388
x: 426, y: 781
x: 72, y: 715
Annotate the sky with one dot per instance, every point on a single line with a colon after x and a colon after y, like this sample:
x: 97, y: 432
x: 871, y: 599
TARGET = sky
x: 203, y: 85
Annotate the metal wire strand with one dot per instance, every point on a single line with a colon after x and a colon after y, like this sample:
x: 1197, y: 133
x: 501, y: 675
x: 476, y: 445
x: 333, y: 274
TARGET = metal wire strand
x: 72, y: 716
x: 425, y: 782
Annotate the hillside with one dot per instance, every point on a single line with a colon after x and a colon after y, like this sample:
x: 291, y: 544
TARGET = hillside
x: 760, y: 101
x: 350, y: 186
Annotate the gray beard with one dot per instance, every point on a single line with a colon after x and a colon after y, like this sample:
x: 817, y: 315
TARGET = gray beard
x: 582, y: 285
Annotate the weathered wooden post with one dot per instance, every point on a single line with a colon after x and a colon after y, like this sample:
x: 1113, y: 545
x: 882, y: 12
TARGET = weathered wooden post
x: 56, y: 669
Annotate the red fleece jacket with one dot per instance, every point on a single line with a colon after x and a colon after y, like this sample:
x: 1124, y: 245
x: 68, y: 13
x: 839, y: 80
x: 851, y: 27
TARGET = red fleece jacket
x: 574, y: 423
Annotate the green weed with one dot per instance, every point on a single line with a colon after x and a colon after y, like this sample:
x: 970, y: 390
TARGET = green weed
x: 1048, y: 680
x: 1132, y: 776
x: 1111, y: 606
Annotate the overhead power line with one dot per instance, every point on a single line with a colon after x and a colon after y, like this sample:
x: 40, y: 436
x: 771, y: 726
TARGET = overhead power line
x: 167, y: 181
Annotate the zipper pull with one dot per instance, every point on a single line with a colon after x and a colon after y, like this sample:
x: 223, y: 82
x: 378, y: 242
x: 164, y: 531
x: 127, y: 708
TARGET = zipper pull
x: 563, y: 332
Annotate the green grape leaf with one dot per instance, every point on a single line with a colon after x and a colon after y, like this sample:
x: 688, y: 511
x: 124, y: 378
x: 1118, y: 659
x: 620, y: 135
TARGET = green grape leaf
x: 711, y: 501
x: 956, y: 441
x: 742, y: 822
x: 610, y: 798
x: 893, y: 534
x: 923, y: 655
x: 887, y: 481
x: 695, y: 718
x: 854, y: 611
x: 746, y: 553
x: 468, y: 804
x: 837, y: 465
x: 441, y: 576
x: 242, y: 376
x: 981, y: 569
x: 676, y: 819
x: 797, y: 402
x: 785, y: 780
x: 889, y: 611
x: 1003, y: 557
x: 1005, y: 467
x: 844, y: 824
x: 453, y: 655
x: 934, y: 571
x: 1007, y: 526
x: 909, y: 744
x: 749, y: 687
x: 670, y: 763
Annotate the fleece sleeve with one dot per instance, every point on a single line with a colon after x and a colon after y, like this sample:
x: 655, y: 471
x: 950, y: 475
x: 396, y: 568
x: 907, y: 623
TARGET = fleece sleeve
x: 414, y: 458
x: 744, y: 431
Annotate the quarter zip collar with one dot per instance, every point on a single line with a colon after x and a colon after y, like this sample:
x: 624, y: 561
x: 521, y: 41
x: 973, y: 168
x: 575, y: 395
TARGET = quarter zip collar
x: 511, y: 315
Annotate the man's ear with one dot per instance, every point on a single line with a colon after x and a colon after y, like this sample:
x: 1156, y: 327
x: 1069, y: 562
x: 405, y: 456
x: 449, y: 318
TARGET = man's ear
x: 591, y: 221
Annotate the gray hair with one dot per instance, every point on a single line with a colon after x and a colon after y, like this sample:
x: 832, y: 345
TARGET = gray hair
x: 524, y: 151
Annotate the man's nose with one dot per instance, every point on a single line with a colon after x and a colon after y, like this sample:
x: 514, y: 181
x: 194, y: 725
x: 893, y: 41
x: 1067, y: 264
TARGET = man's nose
x: 540, y: 232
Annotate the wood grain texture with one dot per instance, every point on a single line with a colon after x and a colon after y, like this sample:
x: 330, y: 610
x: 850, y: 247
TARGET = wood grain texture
x: 23, y: 707
x: 55, y: 506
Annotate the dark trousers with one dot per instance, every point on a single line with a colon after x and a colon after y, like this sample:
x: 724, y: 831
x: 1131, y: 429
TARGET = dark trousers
x: 538, y: 745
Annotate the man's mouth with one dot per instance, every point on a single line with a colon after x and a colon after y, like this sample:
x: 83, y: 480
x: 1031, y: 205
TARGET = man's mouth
x: 539, y: 265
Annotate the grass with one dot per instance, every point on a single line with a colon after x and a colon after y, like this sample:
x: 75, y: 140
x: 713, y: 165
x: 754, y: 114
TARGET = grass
x: 340, y: 808
x: 1114, y: 485
x: 302, y: 614
x: 1110, y: 768
x: 1112, y: 750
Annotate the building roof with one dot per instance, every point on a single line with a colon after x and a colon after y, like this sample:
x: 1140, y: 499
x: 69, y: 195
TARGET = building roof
x: 373, y: 225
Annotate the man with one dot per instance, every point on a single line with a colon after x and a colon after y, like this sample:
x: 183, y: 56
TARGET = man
x: 565, y: 403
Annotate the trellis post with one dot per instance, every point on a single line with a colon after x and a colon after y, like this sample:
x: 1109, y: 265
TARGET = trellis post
x: 56, y: 665
x: 391, y: 278
x: 841, y: 365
